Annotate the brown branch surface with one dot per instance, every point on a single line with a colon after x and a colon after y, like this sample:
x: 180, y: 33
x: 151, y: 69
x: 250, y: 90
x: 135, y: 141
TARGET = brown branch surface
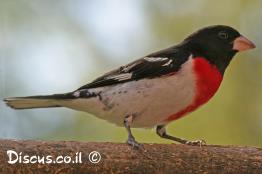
x: 120, y: 158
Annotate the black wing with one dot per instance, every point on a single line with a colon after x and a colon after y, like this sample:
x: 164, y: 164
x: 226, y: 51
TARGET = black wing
x: 154, y: 65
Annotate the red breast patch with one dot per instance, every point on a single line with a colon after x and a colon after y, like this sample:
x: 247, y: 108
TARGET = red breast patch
x: 208, y: 80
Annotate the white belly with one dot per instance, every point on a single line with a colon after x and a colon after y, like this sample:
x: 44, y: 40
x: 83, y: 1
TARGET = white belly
x: 150, y: 101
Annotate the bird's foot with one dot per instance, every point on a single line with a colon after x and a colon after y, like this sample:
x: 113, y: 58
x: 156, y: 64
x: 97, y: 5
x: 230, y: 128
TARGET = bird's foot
x: 196, y: 143
x: 133, y: 143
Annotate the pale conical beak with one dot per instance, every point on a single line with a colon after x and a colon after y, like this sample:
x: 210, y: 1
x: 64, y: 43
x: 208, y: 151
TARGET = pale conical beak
x: 241, y: 44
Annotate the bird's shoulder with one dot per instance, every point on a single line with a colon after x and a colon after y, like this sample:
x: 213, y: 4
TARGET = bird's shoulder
x: 153, y: 65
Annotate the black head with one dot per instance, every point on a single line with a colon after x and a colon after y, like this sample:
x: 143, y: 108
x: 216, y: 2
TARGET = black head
x: 218, y: 44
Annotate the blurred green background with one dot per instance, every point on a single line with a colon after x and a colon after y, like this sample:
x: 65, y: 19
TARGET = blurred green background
x: 57, y: 46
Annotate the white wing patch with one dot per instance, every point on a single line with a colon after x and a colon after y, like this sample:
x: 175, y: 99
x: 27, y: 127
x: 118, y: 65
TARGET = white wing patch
x: 168, y: 63
x: 126, y: 69
x: 127, y: 76
x: 120, y: 77
x: 153, y: 59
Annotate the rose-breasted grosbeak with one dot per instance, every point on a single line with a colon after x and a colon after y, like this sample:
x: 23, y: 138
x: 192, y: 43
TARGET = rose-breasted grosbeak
x: 156, y: 89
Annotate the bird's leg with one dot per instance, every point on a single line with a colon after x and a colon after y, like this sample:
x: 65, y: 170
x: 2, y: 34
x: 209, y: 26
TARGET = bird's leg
x: 131, y: 139
x: 161, y: 131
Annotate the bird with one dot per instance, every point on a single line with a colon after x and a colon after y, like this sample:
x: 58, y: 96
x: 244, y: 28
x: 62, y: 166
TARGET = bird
x: 156, y: 89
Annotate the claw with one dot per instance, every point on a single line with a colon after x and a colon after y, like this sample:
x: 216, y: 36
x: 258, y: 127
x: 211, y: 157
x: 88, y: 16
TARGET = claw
x: 199, y: 143
x: 132, y: 142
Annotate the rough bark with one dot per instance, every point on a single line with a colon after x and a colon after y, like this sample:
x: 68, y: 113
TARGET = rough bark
x: 120, y: 158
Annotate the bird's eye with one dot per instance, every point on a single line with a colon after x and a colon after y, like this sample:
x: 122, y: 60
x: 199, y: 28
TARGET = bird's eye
x: 223, y: 35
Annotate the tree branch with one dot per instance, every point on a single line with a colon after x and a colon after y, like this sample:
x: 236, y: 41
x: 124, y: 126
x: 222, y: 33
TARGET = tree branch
x: 120, y: 158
